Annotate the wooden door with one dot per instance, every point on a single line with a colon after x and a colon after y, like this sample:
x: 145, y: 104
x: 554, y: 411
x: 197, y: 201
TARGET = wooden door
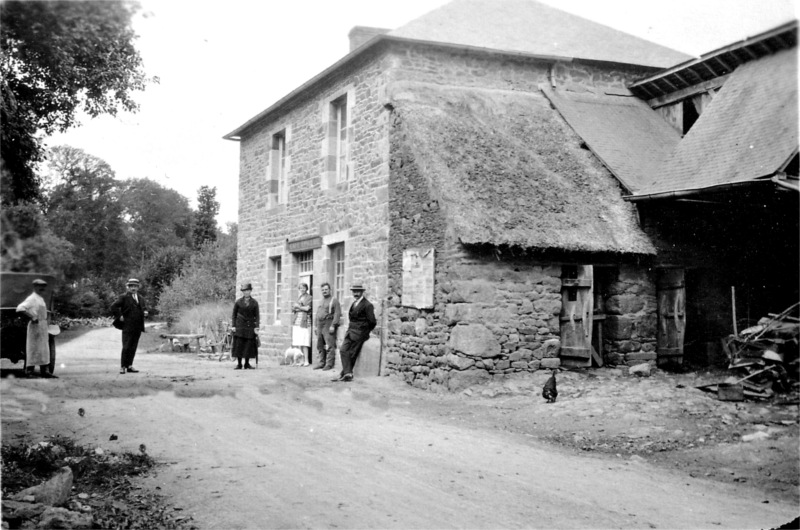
x: 577, y: 301
x: 671, y: 315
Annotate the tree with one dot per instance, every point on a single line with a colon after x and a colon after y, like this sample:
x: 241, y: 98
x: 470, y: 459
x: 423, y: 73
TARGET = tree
x: 161, y: 269
x: 205, y: 221
x: 83, y: 208
x: 28, y: 243
x: 58, y: 57
x: 156, y: 218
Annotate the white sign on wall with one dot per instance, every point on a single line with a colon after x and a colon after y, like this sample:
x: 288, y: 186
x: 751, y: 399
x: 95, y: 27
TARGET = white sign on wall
x: 418, y: 269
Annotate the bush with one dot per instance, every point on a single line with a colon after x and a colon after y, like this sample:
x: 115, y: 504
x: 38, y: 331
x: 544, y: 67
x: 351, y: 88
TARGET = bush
x: 208, y: 277
x: 210, y: 319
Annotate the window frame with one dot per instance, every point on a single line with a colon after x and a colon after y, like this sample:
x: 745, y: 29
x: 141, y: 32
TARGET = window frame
x: 340, y: 137
x: 279, y: 171
x: 337, y: 272
x: 277, y: 265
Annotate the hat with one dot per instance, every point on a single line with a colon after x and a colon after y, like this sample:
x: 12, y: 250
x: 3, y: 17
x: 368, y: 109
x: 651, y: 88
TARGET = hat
x: 247, y: 287
x: 357, y: 287
x: 133, y: 281
x: 39, y: 281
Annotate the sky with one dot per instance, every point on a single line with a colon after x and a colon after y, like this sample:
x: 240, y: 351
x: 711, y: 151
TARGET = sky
x: 221, y: 63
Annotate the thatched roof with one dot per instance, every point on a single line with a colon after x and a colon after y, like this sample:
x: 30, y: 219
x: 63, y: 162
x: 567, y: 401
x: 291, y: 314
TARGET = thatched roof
x: 509, y: 171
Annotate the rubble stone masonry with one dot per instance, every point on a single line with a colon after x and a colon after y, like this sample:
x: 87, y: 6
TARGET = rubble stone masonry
x: 631, y: 307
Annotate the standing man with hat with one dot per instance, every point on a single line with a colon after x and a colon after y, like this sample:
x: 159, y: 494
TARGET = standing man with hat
x: 129, y: 311
x: 362, y: 322
x: 37, y: 347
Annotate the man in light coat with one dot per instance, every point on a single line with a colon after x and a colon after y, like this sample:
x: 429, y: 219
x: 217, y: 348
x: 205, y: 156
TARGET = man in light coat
x: 37, y: 347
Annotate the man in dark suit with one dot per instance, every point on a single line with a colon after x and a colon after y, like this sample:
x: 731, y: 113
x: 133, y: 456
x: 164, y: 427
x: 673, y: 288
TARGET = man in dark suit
x: 362, y: 322
x: 129, y: 311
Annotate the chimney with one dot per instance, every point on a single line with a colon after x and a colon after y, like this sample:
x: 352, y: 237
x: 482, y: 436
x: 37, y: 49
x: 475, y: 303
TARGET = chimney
x: 360, y: 35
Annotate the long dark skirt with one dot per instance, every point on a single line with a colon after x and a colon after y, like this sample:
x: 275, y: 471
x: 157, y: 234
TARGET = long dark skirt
x: 244, y: 348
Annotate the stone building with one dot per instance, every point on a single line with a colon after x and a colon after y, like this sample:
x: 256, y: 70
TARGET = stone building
x: 434, y: 164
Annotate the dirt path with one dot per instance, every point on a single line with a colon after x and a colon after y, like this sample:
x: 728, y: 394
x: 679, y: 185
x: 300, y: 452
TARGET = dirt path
x: 282, y: 447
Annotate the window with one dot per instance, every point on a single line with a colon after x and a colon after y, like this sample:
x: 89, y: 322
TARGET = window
x: 279, y: 169
x: 337, y: 272
x: 305, y: 261
x: 340, y: 138
x: 278, y: 287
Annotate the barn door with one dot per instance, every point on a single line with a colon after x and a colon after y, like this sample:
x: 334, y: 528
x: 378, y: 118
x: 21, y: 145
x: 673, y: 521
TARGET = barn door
x: 577, y: 301
x: 671, y: 315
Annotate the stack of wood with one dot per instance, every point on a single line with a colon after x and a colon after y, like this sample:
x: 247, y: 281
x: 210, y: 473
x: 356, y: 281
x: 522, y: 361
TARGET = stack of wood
x: 766, y: 358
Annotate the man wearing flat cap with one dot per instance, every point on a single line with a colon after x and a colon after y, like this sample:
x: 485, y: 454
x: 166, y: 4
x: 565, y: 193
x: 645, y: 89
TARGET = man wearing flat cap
x: 129, y: 311
x: 361, y: 323
x: 37, y: 347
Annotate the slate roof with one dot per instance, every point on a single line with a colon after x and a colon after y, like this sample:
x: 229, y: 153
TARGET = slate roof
x: 507, y: 170
x: 749, y: 131
x: 523, y: 27
x: 630, y: 138
x: 531, y: 28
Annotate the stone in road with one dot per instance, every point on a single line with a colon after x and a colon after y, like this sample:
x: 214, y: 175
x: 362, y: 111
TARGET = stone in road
x: 283, y: 447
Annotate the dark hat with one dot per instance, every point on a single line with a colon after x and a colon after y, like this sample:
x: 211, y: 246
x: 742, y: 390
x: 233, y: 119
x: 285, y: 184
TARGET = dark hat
x: 247, y: 287
x: 357, y: 287
x: 39, y: 281
x: 133, y: 281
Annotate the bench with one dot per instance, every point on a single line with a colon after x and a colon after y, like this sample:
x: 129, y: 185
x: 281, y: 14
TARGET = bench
x: 184, y: 340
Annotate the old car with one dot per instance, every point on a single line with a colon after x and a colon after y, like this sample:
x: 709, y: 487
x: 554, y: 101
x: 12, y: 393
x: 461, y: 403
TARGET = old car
x: 14, y: 289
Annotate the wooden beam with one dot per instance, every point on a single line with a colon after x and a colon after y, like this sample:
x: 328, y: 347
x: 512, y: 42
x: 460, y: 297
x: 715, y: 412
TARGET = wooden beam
x: 684, y: 93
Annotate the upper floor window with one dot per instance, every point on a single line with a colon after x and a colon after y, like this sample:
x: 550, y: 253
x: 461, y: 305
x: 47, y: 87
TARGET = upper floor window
x: 279, y: 170
x: 341, y: 143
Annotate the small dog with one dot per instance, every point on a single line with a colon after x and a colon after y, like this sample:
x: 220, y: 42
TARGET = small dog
x: 293, y: 357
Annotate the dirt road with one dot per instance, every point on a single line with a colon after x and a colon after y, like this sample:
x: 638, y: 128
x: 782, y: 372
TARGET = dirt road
x: 284, y: 447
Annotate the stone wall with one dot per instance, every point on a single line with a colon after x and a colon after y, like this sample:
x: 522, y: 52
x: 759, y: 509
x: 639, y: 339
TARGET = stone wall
x: 447, y: 66
x: 354, y: 213
x: 631, y: 307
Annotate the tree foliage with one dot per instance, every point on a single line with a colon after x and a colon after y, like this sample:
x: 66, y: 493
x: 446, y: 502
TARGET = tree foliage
x: 205, y: 223
x: 161, y: 269
x: 56, y: 58
x: 30, y: 245
x: 156, y: 217
x: 209, y: 276
x: 83, y: 209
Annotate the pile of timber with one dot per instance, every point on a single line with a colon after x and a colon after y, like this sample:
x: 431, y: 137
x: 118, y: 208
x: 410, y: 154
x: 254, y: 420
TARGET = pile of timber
x: 765, y: 358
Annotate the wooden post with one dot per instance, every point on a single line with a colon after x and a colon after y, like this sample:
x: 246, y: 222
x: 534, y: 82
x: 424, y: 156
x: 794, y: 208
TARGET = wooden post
x: 733, y: 303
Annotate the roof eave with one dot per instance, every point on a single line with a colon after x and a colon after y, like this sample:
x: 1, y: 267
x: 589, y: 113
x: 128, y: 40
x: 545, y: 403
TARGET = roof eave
x: 236, y: 134
x: 676, y: 194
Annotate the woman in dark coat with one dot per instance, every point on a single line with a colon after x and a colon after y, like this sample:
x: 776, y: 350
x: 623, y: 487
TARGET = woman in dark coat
x: 244, y: 325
